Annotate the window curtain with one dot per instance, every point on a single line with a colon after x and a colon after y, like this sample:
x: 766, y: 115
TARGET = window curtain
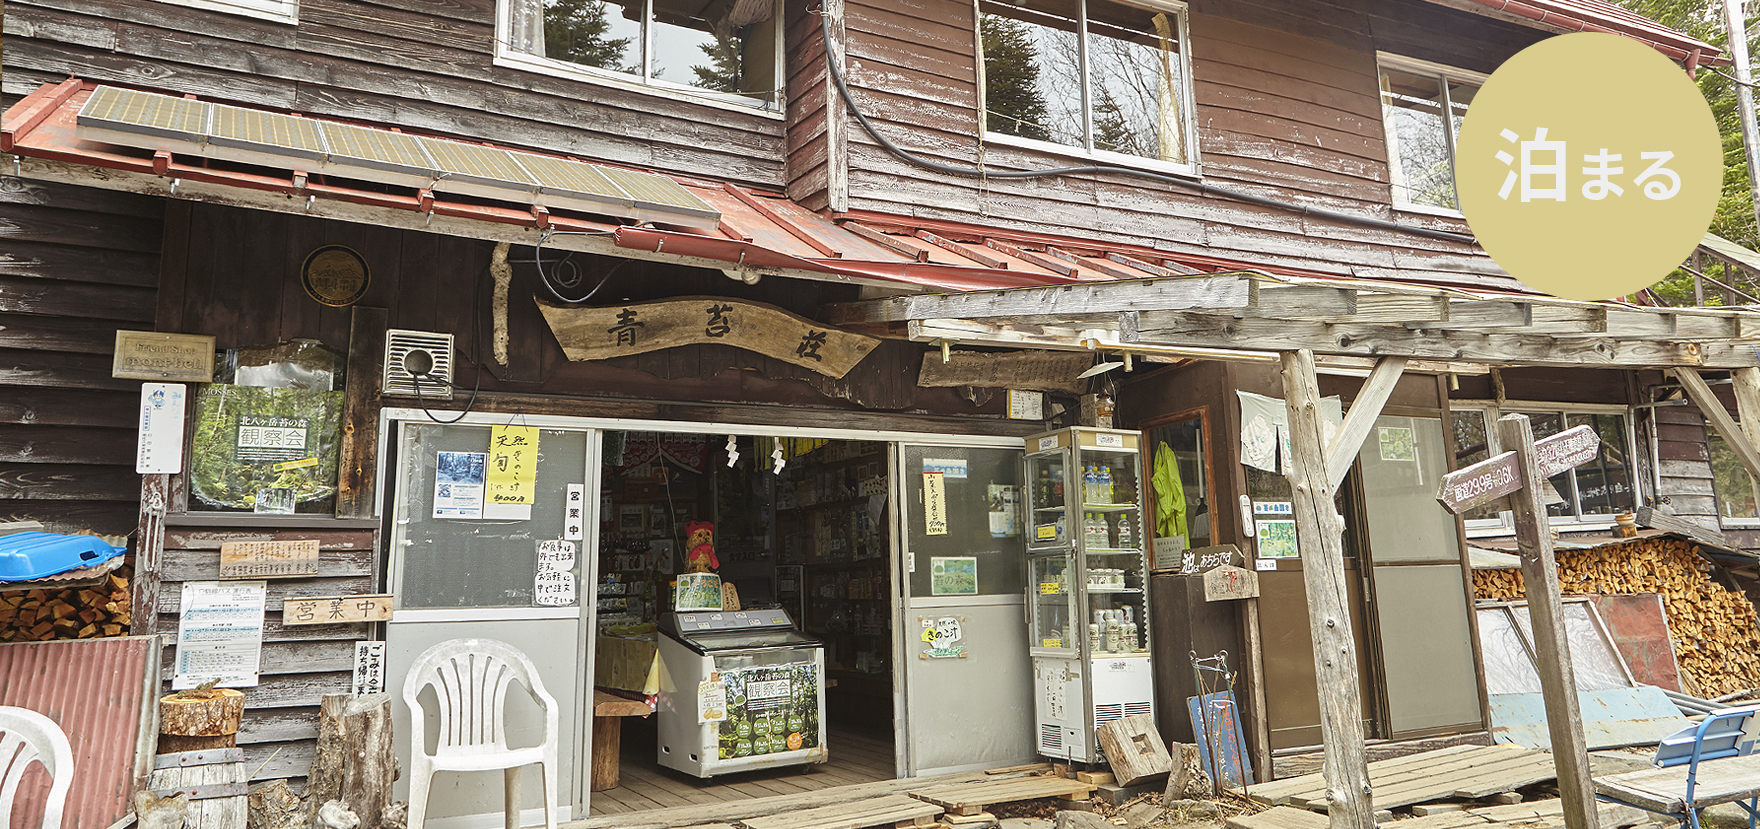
x: 525, y: 26
x: 1173, y: 140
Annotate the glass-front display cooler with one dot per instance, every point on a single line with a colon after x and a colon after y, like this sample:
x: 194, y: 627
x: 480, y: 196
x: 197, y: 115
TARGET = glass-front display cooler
x: 1087, y: 596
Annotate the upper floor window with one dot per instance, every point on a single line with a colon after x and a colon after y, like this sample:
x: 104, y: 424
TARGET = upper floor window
x: 1097, y: 77
x: 1422, y: 106
x: 1593, y: 492
x: 1738, y: 499
x: 724, y: 50
x: 279, y: 11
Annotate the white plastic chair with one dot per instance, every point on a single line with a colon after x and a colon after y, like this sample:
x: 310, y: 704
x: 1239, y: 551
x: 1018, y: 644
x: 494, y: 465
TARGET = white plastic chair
x: 470, y: 679
x: 25, y: 737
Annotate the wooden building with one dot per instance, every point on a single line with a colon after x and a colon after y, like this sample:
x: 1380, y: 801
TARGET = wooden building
x: 868, y: 169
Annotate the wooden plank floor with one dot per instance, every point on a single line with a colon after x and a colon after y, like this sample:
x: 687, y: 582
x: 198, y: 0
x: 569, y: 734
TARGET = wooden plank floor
x: 1455, y: 772
x: 643, y: 784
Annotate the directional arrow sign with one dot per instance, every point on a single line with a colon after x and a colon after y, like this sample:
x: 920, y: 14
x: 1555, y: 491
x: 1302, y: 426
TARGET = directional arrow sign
x: 1495, y: 477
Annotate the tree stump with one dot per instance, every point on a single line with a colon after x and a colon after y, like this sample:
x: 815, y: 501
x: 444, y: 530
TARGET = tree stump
x: 200, y: 720
x: 354, y: 762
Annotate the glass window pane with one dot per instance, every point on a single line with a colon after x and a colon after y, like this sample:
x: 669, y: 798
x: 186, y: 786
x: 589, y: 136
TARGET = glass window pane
x: 1736, y: 496
x: 1504, y: 652
x: 1460, y: 94
x: 1402, y: 464
x: 597, y: 33
x: 1134, y: 61
x: 724, y: 46
x: 1178, y: 457
x: 1032, y: 71
x: 1471, y: 445
x: 963, y: 542
x: 1545, y: 424
x: 1604, y: 484
x: 1417, y: 143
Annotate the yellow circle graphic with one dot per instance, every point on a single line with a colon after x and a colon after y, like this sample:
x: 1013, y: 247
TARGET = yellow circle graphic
x: 1588, y: 166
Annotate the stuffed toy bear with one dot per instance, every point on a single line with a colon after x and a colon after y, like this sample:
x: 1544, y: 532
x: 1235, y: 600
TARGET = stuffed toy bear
x: 700, y: 541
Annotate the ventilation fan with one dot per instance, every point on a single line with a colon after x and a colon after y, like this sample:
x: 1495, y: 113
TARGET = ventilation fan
x: 409, y: 354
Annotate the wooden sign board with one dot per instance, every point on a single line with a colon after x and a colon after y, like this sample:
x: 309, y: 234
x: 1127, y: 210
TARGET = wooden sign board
x: 621, y: 330
x: 1036, y: 370
x: 1495, y: 477
x: 336, y: 610
x: 268, y: 559
x: 150, y: 355
x: 1230, y: 582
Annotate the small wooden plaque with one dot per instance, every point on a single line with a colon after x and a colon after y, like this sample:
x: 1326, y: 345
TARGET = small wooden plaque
x: 268, y: 559
x: 151, y: 355
x: 336, y: 610
x: 1230, y: 582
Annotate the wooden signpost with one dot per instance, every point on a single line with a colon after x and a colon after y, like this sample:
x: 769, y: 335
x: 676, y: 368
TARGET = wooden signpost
x: 1519, y: 478
x: 621, y: 330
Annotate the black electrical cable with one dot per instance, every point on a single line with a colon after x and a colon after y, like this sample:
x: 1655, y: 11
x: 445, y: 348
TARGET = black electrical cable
x: 549, y: 282
x: 1202, y: 188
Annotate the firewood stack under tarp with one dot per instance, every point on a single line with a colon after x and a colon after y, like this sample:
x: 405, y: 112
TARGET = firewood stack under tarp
x: 80, y: 611
x: 1716, y: 635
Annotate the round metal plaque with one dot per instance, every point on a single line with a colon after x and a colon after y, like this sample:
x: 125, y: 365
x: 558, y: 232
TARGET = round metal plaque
x: 334, y: 275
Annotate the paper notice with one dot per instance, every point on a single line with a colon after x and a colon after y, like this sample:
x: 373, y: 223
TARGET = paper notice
x: 934, y: 503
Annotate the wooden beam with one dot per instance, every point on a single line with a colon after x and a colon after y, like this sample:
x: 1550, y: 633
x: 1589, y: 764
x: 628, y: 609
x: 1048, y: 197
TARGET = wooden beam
x: 358, y: 451
x: 1475, y: 313
x: 1320, y: 539
x: 1342, y: 452
x: 1177, y: 293
x: 1558, y: 687
x: 1747, y: 385
x: 1394, y: 308
x: 1713, y: 410
x: 149, y: 548
x: 1300, y: 301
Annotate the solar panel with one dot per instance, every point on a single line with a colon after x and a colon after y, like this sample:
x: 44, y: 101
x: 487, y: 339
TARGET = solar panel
x: 266, y: 132
x: 562, y: 181
x: 660, y: 194
x: 144, y: 119
x: 382, y: 151
x: 470, y: 165
x: 144, y: 113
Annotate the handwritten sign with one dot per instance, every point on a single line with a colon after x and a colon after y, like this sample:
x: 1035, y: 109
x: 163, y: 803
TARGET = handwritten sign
x: 513, y: 464
x: 336, y: 610
x: 934, y: 504
x: 1495, y: 477
x: 556, y: 554
x: 1230, y: 582
x: 1201, y: 559
x: 574, y: 514
x: 621, y: 330
x: 369, y: 668
x: 150, y: 355
x: 269, y: 559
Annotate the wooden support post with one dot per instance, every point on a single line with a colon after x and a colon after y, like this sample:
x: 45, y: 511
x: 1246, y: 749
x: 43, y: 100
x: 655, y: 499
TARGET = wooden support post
x: 354, y: 762
x: 358, y: 452
x: 1342, y: 452
x: 149, y: 546
x: 1558, y: 685
x: 1320, y: 538
x: 1747, y: 383
x: 1713, y: 410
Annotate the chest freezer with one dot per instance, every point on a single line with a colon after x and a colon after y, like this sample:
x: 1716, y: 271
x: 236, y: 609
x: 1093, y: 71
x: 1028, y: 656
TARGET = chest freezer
x: 739, y: 690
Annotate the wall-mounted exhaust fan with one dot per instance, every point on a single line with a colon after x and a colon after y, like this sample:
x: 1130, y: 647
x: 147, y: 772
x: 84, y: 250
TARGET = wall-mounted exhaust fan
x: 417, y: 359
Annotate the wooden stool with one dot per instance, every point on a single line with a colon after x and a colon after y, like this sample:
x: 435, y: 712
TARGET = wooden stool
x: 608, y: 734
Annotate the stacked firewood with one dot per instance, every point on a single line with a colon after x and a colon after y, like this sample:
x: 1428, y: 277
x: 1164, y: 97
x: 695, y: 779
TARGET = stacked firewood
x: 80, y: 612
x: 1716, y: 635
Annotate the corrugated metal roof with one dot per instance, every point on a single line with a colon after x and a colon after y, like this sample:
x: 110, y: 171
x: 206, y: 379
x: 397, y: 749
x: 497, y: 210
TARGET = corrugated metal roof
x: 1599, y: 16
x: 1730, y: 250
x: 99, y: 691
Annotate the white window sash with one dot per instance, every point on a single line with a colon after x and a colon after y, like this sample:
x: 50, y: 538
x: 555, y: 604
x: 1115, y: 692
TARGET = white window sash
x: 277, y: 11
x: 1504, y: 523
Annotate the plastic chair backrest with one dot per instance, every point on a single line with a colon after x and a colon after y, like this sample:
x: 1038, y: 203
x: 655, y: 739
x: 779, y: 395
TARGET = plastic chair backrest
x: 1726, y: 732
x: 26, y: 737
x: 470, y: 679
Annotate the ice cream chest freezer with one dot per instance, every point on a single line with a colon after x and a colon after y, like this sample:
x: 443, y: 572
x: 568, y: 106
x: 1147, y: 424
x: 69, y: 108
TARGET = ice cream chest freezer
x: 739, y: 690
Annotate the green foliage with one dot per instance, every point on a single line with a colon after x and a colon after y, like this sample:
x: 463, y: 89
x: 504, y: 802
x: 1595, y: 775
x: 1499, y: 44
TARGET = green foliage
x: 723, y: 72
x: 574, y: 31
x: 1013, y: 102
x: 219, y: 478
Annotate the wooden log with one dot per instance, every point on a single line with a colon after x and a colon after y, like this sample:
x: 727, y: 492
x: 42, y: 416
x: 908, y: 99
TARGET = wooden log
x: 1320, y: 540
x: 180, y: 743
x: 188, y: 715
x: 353, y: 763
x: 1552, y: 658
x: 1134, y: 749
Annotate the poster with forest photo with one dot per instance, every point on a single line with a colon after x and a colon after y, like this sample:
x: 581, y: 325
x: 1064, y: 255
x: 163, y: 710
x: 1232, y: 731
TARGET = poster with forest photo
x: 252, y: 444
x: 770, y: 709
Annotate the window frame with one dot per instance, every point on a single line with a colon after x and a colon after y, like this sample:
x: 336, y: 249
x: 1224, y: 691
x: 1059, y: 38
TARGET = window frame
x: 507, y: 56
x: 1733, y: 522
x: 1385, y: 61
x: 1504, y: 523
x: 274, y: 11
x: 1188, y: 111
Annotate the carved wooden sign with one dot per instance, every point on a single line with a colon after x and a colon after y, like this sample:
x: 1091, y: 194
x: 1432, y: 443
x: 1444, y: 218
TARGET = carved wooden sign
x: 621, y: 330
x: 1495, y: 477
x: 1037, y: 370
x: 268, y: 559
x: 152, y: 355
x: 1230, y: 582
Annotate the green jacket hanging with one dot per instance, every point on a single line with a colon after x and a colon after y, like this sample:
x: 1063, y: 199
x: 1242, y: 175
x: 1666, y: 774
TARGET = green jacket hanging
x: 1170, y: 494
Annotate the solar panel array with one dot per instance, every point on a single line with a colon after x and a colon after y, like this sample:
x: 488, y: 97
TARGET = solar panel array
x: 164, y: 122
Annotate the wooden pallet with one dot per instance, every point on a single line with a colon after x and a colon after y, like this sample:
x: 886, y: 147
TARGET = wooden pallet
x: 1280, y: 817
x: 1540, y: 814
x: 1453, y: 772
x: 893, y: 810
x: 971, y: 798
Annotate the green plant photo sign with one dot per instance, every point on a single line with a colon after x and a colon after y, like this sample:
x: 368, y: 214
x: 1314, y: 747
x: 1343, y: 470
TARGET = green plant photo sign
x: 266, y: 450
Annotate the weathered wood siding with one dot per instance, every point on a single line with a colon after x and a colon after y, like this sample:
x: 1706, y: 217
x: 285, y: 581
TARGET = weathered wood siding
x: 1287, y: 107
x: 422, y: 65
x: 300, y: 664
x: 75, y: 265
